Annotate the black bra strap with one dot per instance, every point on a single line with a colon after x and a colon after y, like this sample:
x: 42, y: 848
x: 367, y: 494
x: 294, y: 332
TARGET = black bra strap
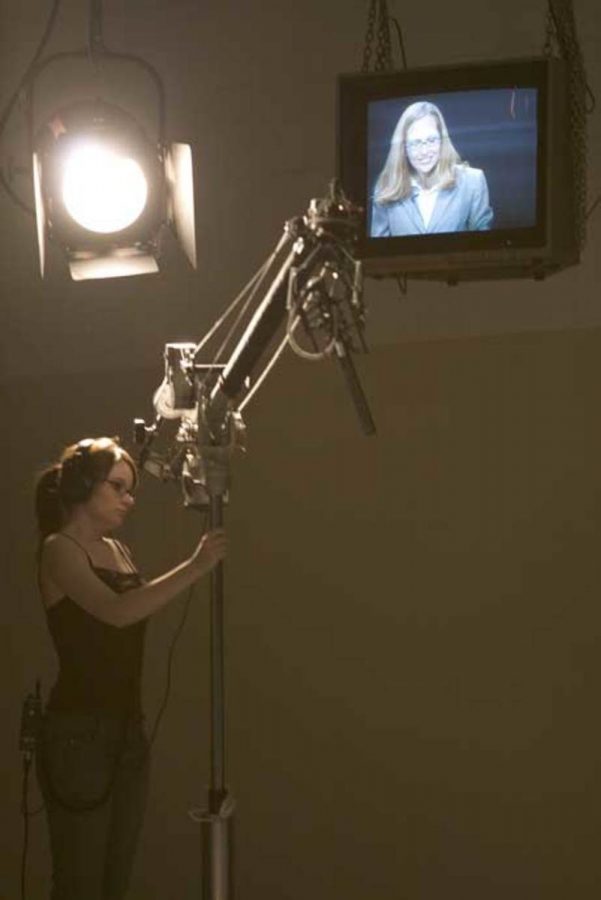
x: 81, y: 547
x: 125, y: 556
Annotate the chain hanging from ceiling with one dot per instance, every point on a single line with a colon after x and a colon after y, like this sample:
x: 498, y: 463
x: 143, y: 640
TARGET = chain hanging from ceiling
x: 377, y: 38
x: 561, y: 39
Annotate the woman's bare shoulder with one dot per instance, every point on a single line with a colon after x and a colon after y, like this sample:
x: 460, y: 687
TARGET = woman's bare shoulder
x: 59, y: 548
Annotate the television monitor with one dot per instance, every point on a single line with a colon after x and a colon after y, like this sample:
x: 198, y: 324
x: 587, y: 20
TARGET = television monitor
x: 463, y: 172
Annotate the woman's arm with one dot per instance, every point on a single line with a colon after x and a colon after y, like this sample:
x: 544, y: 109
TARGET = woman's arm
x: 68, y: 567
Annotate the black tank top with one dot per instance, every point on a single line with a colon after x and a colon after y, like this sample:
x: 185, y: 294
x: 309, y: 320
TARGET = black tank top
x: 100, y: 665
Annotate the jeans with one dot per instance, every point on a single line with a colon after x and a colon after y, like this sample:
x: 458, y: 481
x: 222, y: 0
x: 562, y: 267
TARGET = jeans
x: 93, y: 773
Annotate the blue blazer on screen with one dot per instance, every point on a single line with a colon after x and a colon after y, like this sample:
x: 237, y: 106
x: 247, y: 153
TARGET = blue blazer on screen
x: 464, y: 207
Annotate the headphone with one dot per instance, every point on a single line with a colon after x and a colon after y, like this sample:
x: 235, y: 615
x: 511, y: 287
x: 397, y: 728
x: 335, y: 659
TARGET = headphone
x: 76, y: 483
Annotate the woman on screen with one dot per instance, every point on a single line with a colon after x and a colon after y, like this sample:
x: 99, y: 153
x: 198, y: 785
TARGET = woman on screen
x: 425, y: 187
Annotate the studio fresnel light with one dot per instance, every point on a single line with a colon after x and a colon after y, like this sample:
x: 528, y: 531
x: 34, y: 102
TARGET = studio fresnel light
x: 104, y: 192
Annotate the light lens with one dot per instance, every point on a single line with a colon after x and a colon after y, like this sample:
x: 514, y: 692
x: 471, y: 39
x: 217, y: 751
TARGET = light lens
x: 103, y: 191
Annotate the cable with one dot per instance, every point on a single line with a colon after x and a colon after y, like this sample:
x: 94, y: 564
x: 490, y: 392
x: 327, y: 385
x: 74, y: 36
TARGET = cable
x: 401, y: 281
x: 316, y: 354
x: 15, y: 197
x: 252, y: 286
x: 269, y: 366
x: 11, y: 103
x: 593, y: 206
x: 40, y: 49
x: 170, y: 657
x: 563, y: 42
x: 287, y: 340
x: 98, y: 801
x: 399, y: 34
x: 258, y: 275
x: 222, y: 319
x: 28, y: 758
x: 86, y: 807
x: 562, y: 26
x: 95, y: 36
x: 26, y: 815
x: 31, y: 719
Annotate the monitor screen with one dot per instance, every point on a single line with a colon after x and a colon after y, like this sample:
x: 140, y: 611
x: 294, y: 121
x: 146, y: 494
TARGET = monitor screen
x: 462, y: 171
x: 452, y: 162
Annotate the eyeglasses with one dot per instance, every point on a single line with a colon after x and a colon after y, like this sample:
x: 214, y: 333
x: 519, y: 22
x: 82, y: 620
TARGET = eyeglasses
x: 120, y: 488
x: 423, y: 143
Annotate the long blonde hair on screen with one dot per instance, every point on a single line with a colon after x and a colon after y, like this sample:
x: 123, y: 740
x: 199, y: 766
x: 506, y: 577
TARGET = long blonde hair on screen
x: 394, y: 181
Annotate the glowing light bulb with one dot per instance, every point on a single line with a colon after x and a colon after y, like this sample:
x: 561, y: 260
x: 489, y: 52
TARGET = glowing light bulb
x: 103, y: 191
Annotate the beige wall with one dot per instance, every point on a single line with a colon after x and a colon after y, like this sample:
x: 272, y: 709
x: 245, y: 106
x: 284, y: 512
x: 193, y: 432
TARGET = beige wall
x: 412, y: 627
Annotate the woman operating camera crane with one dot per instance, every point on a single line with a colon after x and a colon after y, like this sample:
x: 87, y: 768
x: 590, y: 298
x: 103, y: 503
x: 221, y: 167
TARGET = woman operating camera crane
x: 93, y: 754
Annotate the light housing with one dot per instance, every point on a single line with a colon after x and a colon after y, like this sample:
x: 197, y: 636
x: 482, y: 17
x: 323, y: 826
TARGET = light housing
x: 130, y: 245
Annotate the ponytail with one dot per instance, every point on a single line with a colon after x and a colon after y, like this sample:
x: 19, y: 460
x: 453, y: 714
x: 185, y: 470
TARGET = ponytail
x: 48, y: 506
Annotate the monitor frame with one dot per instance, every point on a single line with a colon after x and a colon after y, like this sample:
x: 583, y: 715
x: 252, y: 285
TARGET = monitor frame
x: 549, y: 244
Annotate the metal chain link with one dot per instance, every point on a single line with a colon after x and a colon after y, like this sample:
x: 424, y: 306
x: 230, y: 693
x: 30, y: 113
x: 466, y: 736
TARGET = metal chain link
x: 369, y: 35
x: 550, y: 45
x: 378, y: 22
x: 383, y: 49
x: 563, y: 27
